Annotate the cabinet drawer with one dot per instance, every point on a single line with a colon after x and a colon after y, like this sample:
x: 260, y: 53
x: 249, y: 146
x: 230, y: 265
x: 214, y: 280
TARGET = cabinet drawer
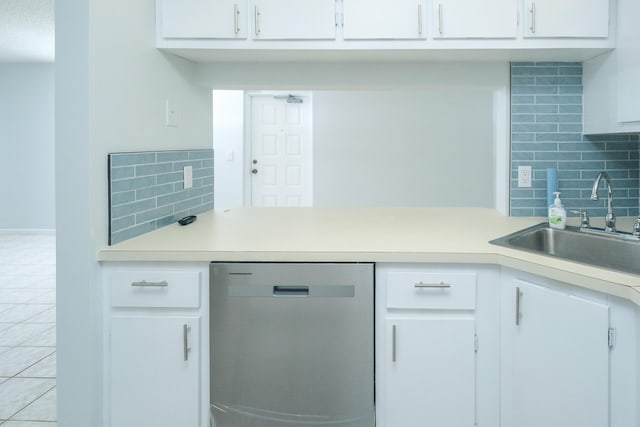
x: 148, y: 288
x: 414, y: 289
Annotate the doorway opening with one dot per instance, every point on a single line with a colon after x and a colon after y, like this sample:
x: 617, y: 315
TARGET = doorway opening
x: 263, y: 145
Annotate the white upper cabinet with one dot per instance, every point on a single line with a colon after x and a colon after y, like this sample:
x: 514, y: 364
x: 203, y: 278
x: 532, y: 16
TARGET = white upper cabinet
x: 628, y: 64
x: 535, y: 30
x: 566, y: 18
x: 222, y: 19
x: 611, y: 83
x: 384, y: 19
x: 294, y: 19
x: 459, y: 19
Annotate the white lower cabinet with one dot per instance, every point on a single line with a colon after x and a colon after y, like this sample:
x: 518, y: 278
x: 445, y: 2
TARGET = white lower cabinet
x: 555, y: 355
x: 430, y: 368
x: 436, y: 345
x: 154, y: 366
x: 156, y: 345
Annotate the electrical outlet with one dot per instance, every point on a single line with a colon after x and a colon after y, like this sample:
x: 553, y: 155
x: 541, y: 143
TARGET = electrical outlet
x: 524, y: 176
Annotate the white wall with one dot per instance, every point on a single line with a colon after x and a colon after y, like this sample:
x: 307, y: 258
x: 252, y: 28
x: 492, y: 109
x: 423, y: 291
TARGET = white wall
x: 228, y: 140
x: 425, y: 147
x: 27, y: 140
x: 111, y: 86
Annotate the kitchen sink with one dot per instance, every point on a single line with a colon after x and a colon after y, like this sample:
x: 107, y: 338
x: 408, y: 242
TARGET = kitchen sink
x: 616, y: 251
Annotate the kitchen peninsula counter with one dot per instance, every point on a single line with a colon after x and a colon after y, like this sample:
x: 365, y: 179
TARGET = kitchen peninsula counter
x: 420, y: 235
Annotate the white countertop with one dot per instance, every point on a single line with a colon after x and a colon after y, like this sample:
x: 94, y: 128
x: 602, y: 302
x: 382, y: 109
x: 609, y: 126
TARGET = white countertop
x: 442, y: 235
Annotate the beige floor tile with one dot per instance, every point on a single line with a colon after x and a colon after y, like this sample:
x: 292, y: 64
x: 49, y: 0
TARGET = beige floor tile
x: 47, y: 297
x: 48, y: 316
x: 4, y: 307
x: 45, y: 368
x: 4, y: 326
x: 21, y: 296
x: 29, y: 424
x: 45, y: 339
x: 22, y: 312
x: 43, y: 409
x: 17, y: 359
x: 17, y: 393
x: 44, y: 282
x: 27, y: 328
x: 21, y: 333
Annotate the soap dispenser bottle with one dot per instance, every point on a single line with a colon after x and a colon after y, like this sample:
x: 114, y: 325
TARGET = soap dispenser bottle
x: 557, y: 213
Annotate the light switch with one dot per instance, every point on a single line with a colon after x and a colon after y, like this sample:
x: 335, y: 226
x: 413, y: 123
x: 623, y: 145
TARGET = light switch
x: 170, y: 113
x: 188, y: 177
x: 230, y: 156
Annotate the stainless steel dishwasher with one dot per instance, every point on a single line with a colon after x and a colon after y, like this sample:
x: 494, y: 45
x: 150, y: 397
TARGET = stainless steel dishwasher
x: 292, y: 344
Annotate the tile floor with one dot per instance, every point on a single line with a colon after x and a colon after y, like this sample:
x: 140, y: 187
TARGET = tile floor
x: 27, y: 329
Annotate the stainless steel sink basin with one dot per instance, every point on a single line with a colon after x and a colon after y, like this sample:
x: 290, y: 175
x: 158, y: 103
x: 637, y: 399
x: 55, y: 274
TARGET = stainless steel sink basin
x: 619, y: 251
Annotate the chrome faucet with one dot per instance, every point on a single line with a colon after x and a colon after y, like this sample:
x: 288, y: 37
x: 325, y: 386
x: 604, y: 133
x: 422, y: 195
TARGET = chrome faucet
x: 610, y: 218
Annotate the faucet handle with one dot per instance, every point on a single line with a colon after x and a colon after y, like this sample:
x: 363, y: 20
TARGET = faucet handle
x: 636, y: 227
x: 584, y: 218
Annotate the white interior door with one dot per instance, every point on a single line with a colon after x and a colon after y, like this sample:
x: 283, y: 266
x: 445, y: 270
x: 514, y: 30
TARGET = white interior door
x: 281, y: 151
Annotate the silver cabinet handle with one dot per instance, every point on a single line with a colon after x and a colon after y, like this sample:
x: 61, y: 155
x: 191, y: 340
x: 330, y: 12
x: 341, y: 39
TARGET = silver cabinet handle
x: 518, y: 315
x: 393, y: 343
x: 185, y: 341
x: 421, y: 285
x: 256, y: 18
x: 533, y: 18
x: 144, y: 283
x: 440, y: 18
x: 419, y: 18
x: 236, y: 15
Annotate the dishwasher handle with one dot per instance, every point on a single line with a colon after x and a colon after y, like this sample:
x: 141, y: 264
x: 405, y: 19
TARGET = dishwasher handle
x: 290, y: 291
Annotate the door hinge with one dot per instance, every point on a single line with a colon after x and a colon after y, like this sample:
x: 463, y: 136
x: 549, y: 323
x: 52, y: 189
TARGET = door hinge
x: 611, y: 337
x: 475, y: 343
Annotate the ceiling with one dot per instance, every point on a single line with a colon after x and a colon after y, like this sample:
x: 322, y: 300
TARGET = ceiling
x: 27, y: 31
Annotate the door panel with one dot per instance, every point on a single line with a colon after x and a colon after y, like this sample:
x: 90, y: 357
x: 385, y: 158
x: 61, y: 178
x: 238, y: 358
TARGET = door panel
x: 560, y: 360
x: 294, y: 19
x: 204, y: 18
x: 475, y: 19
x: 432, y: 380
x: 151, y: 382
x: 567, y: 18
x: 281, y: 150
x: 384, y: 19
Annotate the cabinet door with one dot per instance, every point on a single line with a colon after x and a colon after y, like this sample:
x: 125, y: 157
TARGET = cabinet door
x: 430, y: 372
x: 154, y: 371
x: 628, y: 64
x: 567, y: 18
x: 475, y: 19
x: 294, y: 19
x: 221, y: 19
x: 384, y: 19
x: 555, y: 361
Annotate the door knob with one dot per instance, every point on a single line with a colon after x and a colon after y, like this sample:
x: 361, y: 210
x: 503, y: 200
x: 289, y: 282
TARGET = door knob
x: 254, y: 171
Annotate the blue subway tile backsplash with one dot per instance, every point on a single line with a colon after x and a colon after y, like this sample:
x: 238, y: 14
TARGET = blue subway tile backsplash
x: 146, y: 190
x: 546, y: 132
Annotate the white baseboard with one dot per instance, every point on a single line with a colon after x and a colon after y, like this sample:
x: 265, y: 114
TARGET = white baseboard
x: 44, y: 231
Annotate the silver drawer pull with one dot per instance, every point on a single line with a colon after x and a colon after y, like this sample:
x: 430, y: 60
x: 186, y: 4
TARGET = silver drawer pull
x: 518, y: 302
x: 185, y: 341
x: 393, y: 343
x: 144, y: 283
x: 441, y: 285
